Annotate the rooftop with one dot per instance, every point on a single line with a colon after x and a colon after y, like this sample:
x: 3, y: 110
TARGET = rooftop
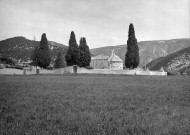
x: 114, y: 57
x: 100, y: 57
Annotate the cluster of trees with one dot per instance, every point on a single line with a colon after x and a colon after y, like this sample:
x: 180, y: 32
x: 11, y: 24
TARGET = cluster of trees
x: 7, y: 61
x: 80, y: 55
x: 76, y: 55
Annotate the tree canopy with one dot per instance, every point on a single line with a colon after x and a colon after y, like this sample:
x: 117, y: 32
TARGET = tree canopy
x: 72, y: 55
x: 41, y: 54
x: 132, y: 54
x: 84, y: 53
x: 59, y: 62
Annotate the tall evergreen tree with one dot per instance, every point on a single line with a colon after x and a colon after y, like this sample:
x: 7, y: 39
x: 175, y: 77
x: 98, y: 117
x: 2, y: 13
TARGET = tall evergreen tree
x: 132, y: 54
x: 72, y: 55
x: 60, y: 62
x: 34, y: 53
x: 43, y: 53
x: 84, y: 53
x: 34, y: 56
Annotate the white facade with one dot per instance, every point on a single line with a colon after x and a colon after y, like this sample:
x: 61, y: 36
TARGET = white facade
x: 114, y: 62
x: 116, y: 65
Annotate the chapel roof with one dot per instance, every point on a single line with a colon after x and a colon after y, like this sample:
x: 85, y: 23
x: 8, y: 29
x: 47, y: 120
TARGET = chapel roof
x: 100, y: 57
x: 114, y: 57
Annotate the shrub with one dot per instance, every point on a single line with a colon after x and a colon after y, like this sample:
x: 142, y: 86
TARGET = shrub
x: 173, y: 73
x: 7, y: 61
x: 60, y: 60
x: 18, y: 67
x: 89, y: 67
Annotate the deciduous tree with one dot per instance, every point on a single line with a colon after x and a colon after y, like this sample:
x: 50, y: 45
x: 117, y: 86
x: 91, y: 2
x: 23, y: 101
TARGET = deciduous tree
x: 59, y: 62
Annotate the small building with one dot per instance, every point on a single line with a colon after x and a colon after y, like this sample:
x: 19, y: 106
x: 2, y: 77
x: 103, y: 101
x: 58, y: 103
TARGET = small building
x: 99, y: 62
x: 102, y: 61
x: 115, y: 63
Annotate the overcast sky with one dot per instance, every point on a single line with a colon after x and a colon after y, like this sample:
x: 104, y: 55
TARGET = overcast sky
x: 102, y: 22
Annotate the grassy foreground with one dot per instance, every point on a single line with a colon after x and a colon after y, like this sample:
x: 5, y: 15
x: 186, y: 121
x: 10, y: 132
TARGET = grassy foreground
x: 94, y: 104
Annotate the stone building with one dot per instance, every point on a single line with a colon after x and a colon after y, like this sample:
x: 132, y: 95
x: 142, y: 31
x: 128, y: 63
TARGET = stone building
x: 112, y: 62
x: 99, y: 62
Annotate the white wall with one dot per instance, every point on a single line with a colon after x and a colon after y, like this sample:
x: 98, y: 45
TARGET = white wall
x: 116, y: 65
x: 82, y: 71
x: 124, y: 72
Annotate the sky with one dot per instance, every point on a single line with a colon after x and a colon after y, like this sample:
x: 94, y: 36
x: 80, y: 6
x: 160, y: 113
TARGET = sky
x: 102, y: 22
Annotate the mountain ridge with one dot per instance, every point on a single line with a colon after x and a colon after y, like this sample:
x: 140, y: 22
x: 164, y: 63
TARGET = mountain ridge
x: 20, y: 48
x: 174, y: 62
x: 148, y: 50
x: 142, y: 41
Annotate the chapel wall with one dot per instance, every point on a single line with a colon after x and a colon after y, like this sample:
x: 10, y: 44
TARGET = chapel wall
x: 116, y: 65
x: 99, y: 64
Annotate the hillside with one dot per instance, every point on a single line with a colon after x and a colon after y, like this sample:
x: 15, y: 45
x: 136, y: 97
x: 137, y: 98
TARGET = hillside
x: 149, y: 50
x: 20, y: 48
x: 174, y: 62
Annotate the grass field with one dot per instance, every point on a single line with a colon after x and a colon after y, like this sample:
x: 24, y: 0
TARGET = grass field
x: 94, y: 104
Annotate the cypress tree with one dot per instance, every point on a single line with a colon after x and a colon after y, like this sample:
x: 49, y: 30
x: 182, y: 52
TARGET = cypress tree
x: 132, y: 54
x: 34, y: 56
x: 43, y: 53
x: 72, y: 55
x: 34, y: 53
x: 59, y: 62
x: 84, y: 53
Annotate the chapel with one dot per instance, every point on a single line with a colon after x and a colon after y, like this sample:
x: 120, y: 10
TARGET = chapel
x: 102, y: 61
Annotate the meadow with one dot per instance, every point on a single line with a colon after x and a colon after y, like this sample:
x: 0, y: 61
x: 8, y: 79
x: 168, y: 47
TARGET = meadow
x: 94, y: 104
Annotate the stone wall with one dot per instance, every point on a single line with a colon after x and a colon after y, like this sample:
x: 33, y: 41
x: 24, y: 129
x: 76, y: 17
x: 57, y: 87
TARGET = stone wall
x: 96, y: 71
x: 99, y: 64
x: 120, y: 72
x: 79, y: 71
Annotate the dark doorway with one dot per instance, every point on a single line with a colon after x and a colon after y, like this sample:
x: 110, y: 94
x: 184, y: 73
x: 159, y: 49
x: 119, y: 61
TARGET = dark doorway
x: 75, y: 69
